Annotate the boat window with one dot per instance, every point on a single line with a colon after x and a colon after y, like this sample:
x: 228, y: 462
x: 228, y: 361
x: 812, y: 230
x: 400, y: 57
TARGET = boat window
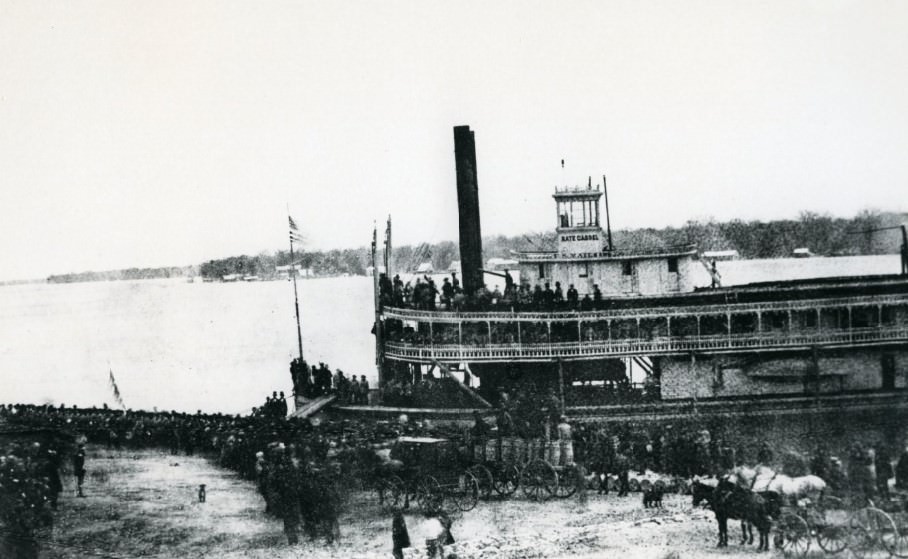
x: 541, y: 271
x: 626, y: 267
x: 585, y: 270
x: 673, y: 265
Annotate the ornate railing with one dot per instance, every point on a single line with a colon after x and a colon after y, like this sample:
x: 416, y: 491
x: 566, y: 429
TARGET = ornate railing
x: 645, y: 312
x: 677, y: 345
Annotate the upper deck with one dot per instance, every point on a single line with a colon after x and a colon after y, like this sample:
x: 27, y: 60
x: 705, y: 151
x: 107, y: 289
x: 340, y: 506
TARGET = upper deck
x: 835, y: 312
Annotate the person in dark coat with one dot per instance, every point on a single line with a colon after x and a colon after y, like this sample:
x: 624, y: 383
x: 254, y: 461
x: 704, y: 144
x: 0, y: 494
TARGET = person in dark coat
x: 884, y: 470
x: 400, y: 537
x: 901, y: 471
x: 79, y: 468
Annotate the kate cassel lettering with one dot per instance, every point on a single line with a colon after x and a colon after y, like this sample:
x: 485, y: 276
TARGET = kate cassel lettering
x: 565, y: 238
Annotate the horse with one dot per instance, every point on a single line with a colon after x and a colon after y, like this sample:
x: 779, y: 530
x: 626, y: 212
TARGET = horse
x: 762, y: 479
x: 729, y: 500
x: 702, y: 490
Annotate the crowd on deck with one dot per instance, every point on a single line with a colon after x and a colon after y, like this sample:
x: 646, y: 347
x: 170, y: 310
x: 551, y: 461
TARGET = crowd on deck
x: 317, y: 381
x: 424, y: 294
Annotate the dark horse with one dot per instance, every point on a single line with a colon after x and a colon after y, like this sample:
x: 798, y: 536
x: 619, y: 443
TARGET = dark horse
x: 728, y: 500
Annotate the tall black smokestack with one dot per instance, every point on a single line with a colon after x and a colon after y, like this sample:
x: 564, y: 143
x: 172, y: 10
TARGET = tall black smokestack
x: 468, y: 203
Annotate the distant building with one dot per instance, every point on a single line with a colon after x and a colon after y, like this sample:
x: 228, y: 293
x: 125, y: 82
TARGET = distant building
x: 501, y: 264
x: 370, y: 270
x: 802, y: 252
x: 283, y: 272
x: 425, y: 268
x: 721, y: 255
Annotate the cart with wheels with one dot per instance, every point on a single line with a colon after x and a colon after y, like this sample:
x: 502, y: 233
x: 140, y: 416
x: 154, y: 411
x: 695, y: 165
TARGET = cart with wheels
x: 431, y: 475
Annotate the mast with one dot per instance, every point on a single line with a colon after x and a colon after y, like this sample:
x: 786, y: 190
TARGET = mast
x: 388, y: 248
x: 375, y: 288
x: 294, y: 235
x: 608, y: 221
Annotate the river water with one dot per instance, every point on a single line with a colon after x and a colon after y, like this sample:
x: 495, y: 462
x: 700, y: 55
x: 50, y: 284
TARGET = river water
x: 225, y: 346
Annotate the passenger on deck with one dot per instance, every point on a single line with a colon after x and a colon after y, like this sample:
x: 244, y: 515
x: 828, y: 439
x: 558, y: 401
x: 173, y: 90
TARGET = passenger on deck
x: 354, y: 390
x: 447, y: 294
x: 364, y: 389
x: 548, y: 297
x: 597, y: 296
x: 586, y: 304
x: 538, y: 297
x: 558, y: 295
x: 572, y: 297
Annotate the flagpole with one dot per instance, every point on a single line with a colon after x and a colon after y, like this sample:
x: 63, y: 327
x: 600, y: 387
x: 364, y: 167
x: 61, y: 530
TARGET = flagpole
x: 296, y: 300
x: 375, y: 292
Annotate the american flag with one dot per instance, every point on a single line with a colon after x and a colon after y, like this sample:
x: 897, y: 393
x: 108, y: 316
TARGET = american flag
x: 295, y: 234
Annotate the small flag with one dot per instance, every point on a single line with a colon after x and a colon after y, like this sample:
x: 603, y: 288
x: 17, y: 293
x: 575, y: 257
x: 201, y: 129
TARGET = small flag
x: 116, y: 390
x: 293, y: 226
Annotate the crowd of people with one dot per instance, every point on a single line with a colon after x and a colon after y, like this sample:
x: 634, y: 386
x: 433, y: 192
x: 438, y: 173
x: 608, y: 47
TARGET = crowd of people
x: 424, y: 294
x: 305, y: 471
x: 30, y: 485
x: 317, y: 381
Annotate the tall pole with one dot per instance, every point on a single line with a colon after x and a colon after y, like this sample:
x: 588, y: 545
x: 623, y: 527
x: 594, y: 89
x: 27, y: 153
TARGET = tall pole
x: 296, y: 300
x: 388, y: 248
x: 375, y: 293
x: 608, y: 221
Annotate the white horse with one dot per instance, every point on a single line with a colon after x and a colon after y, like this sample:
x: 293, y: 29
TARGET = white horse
x: 764, y: 478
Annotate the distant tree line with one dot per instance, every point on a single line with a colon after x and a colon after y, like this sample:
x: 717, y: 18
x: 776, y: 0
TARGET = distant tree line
x: 821, y: 233
x: 127, y: 274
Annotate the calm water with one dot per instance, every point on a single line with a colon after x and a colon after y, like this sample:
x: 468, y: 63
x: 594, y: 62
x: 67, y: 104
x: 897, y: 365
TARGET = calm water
x: 224, y: 346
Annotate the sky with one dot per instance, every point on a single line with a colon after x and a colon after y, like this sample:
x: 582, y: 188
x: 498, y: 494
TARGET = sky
x: 140, y: 133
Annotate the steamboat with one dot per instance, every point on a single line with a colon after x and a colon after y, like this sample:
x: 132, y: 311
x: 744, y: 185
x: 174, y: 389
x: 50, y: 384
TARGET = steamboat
x: 801, y: 350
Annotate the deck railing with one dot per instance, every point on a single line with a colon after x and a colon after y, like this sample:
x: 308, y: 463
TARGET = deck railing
x: 644, y: 312
x: 677, y: 345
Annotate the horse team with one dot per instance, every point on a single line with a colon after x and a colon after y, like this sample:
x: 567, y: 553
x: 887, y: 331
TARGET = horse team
x: 754, y: 496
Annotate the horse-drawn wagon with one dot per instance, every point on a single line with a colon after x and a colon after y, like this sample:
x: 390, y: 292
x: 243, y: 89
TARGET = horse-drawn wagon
x: 539, y: 468
x: 429, y: 471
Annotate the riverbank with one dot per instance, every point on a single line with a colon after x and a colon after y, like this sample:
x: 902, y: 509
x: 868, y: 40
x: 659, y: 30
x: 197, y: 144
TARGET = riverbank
x: 145, y: 504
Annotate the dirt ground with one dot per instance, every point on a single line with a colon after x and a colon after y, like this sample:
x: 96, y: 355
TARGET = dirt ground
x: 145, y: 504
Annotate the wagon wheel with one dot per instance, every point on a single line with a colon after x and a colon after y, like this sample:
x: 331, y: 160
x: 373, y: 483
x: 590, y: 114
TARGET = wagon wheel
x: 792, y: 535
x: 633, y: 485
x: 507, y: 480
x: 832, y: 529
x: 611, y: 483
x: 900, y: 545
x: 646, y: 485
x: 484, y: 479
x: 566, y: 482
x: 465, y: 494
x: 871, y: 533
x: 538, y: 480
x: 429, y: 494
x: 660, y: 486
